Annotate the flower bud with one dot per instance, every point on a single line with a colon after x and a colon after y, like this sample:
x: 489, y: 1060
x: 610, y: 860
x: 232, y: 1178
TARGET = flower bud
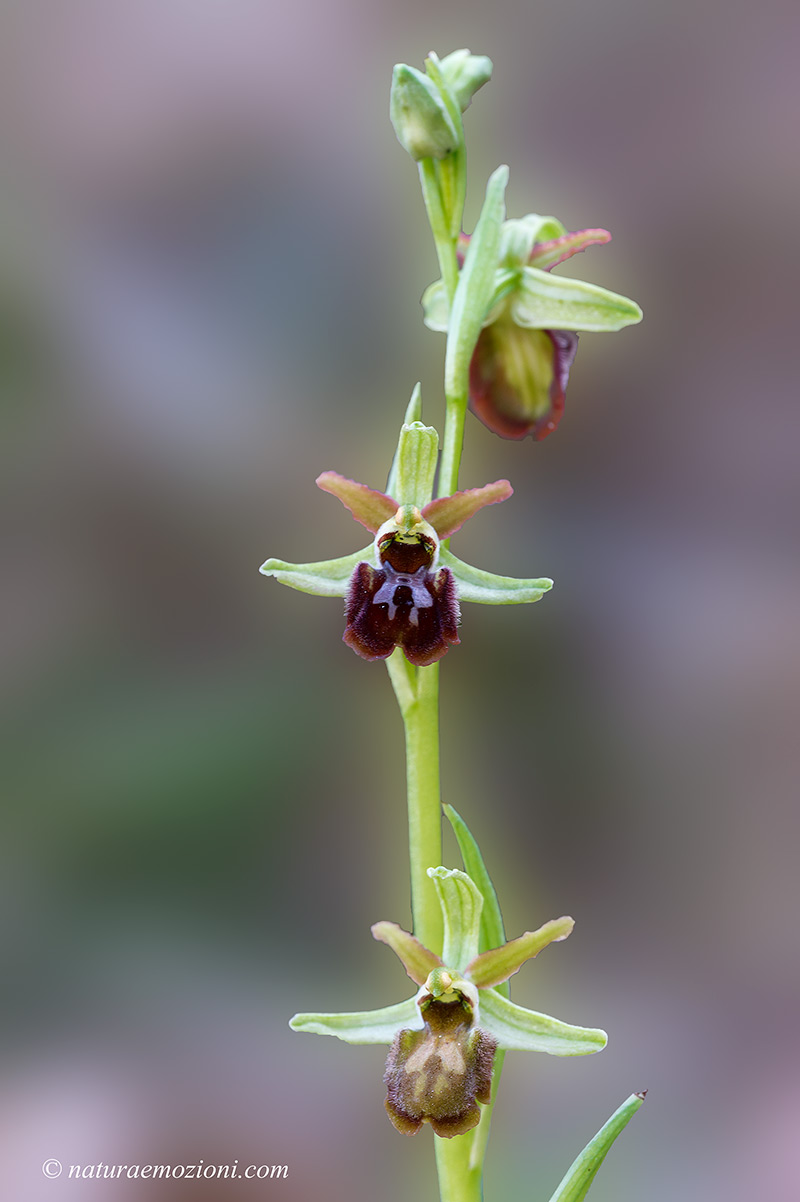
x: 419, y: 115
x: 464, y: 73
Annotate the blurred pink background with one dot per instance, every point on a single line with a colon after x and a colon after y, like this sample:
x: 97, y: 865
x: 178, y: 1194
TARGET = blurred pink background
x: 214, y: 253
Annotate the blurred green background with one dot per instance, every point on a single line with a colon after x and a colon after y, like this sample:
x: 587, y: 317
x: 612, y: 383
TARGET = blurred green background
x: 214, y: 250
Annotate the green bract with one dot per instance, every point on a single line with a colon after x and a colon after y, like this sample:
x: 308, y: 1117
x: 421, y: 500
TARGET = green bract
x: 583, y: 1170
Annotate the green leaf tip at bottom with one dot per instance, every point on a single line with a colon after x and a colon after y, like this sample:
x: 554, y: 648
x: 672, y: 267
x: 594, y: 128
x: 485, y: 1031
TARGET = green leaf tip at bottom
x: 583, y: 1170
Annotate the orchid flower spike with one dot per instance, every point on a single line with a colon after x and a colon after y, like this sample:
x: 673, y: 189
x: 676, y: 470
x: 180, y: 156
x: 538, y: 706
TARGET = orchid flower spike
x: 443, y: 1039
x: 404, y: 588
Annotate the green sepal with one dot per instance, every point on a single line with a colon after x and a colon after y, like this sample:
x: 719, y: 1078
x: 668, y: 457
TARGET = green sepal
x: 461, y: 903
x: 464, y: 74
x: 554, y: 302
x: 415, y: 460
x: 475, y: 285
x: 364, y: 1026
x: 496, y: 966
x: 415, y: 958
x: 413, y: 414
x: 526, y: 1030
x: 328, y: 578
x: 473, y: 584
x: 583, y: 1170
x: 519, y: 235
x: 419, y: 115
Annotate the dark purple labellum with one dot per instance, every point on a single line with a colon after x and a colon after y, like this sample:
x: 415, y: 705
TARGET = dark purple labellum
x: 387, y: 608
x: 439, y: 1074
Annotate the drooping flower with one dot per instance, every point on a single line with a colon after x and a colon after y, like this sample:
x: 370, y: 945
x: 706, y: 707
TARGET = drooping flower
x: 403, y: 590
x: 521, y: 363
x: 443, y: 1040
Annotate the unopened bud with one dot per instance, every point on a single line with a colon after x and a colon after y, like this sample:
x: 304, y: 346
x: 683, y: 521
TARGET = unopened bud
x: 419, y: 115
x: 464, y: 73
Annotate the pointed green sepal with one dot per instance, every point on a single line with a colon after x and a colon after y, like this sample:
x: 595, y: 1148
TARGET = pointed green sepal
x: 419, y: 115
x: 328, y: 578
x: 413, y: 414
x: 496, y: 966
x: 492, y: 930
x: 415, y: 460
x: 464, y: 74
x: 366, y: 1026
x: 415, y: 958
x: 583, y: 1170
x: 368, y: 506
x: 475, y: 285
x: 515, y: 1027
x: 461, y: 904
x: 474, y: 584
x: 448, y: 514
x: 554, y: 302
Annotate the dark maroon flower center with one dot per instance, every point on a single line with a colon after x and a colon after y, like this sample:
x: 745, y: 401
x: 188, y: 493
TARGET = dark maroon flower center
x: 402, y: 603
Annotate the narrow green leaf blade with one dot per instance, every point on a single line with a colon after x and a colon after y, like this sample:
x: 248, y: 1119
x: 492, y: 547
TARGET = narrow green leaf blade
x: 492, y: 930
x: 583, y: 1171
x: 475, y: 285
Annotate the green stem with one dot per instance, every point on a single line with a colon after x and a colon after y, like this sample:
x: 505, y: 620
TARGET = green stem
x: 417, y: 692
x: 459, y: 1181
x: 456, y: 414
x: 441, y: 223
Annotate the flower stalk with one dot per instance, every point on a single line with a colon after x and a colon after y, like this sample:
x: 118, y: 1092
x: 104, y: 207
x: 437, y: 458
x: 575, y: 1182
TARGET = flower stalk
x: 510, y: 340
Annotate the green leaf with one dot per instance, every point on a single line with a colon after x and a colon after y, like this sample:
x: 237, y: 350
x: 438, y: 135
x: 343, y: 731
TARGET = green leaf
x: 496, y: 966
x: 328, y: 578
x: 475, y: 285
x: 515, y: 1027
x: 553, y: 302
x: 413, y: 955
x: 461, y: 904
x: 492, y: 930
x: 583, y: 1171
x: 474, y: 584
x: 365, y: 1026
